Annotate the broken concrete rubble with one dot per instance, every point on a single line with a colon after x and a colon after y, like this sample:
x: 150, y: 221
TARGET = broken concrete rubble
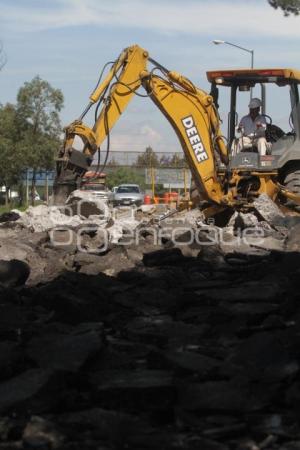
x: 267, y: 208
x: 151, y: 342
x: 83, y: 203
x: 13, y: 272
x: 41, y: 433
x: 25, y: 390
x: 9, y: 216
x: 43, y: 218
x: 58, y: 351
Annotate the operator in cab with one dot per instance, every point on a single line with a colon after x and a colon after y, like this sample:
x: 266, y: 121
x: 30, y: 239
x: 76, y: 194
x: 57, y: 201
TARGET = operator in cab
x: 253, y: 128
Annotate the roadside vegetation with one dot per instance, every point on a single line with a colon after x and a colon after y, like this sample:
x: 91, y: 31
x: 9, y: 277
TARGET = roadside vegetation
x: 30, y: 133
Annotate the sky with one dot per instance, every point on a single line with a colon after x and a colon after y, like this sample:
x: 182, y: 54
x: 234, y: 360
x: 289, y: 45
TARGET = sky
x: 67, y: 42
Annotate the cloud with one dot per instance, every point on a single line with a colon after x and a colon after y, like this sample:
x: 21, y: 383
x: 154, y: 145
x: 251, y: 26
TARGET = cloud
x: 130, y: 140
x: 136, y: 139
x: 150, y: 133
x: 194, y: 17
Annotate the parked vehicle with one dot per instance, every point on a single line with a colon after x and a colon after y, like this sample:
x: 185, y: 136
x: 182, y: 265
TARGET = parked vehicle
x: 94, y: 185
x: 128, y: 194
x: 96, y: 191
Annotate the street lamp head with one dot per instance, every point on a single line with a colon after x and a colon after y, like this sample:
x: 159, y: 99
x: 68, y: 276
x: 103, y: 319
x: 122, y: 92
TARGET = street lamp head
x: 218, y: 41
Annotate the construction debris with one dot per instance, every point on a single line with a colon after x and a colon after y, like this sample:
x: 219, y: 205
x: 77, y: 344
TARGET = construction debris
x: 128, y: 332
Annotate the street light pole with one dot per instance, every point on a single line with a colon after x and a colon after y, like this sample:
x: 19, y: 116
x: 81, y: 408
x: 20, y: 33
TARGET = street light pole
x: 218, y: 42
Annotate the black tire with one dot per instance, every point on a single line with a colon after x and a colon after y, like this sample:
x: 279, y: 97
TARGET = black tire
x: 292, y: 183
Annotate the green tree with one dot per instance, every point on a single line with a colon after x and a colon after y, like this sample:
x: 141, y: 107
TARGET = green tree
x: 112, y: 162
x: 174, y: 161
x: 177, y: 161
x: 12, y: 162
x: 124, y: 175
x: 165, y: 161
x: 38, y: 106
x: 288, y: 6
x: 147, y: 159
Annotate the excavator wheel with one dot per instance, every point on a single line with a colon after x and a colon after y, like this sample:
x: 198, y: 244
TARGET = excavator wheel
x: 292, y: 182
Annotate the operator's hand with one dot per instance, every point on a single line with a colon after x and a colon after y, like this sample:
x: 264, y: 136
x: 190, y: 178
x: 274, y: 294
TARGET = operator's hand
x: 260, y: 129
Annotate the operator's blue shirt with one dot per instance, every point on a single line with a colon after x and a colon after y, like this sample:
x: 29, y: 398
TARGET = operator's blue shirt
x: 251, y: 127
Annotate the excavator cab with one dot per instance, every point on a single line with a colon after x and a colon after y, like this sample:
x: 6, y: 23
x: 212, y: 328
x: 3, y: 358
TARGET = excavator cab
x: 282, y: 158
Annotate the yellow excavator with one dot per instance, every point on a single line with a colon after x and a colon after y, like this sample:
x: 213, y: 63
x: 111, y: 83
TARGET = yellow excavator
x: 222, y: 178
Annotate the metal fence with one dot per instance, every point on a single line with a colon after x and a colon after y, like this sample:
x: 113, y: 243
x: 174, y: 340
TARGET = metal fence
x: 143, y: 159
x: 168, y: 170
x: 165, y: 165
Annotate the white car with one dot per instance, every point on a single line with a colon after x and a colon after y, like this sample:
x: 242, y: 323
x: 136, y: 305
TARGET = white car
x: 96, y: 191
x: 128, y: 194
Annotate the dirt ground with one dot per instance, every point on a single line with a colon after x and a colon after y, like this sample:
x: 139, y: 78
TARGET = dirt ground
x: 165, y: 341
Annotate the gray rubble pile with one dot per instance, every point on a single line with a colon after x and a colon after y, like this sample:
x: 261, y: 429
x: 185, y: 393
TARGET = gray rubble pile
x: 44, y: 218
x: 169, y: 341
x: 49, y: 238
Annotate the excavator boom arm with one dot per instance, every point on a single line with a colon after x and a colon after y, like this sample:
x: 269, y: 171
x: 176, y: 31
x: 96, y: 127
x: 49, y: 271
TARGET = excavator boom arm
x: 189, y: 110
x: 133, y: 62
x: 192, y: 115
